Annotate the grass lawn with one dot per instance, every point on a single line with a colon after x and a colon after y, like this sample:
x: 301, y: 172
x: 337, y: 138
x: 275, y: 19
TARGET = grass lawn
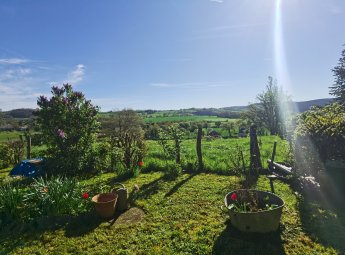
x: 5, y: 135
x: 170, y: 217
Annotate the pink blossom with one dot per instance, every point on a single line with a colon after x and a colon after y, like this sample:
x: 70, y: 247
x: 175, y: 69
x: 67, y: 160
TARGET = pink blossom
x: 61, y: 133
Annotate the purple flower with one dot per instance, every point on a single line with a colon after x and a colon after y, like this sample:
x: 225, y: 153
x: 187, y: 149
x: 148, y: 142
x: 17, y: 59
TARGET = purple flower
x: 78, y: 94
x: 67, y: 87
x: 42, y: 101
x: 57, y: 91
x: 61, y: 133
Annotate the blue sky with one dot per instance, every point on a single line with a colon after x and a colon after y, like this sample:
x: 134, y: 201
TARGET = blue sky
x: 171, y: 54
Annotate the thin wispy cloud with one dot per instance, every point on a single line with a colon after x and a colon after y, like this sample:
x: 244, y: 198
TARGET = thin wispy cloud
x: 22, y: 81
x: 191, y: 85
x: 18, y: 88
x: 14, y: 74
x: 237, y: 26
x: 72, y: 77
x: 115, y: 104
x: 224, y: 31
x: 77, y: 75
x: 217, y: 1
x: 13, y: 61
x: 179, y: 59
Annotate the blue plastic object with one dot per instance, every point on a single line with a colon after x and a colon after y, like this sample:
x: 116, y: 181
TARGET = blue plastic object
x: 28, y: 168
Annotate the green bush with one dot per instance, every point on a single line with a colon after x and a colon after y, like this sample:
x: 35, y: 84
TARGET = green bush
x: 319, y: 136
x: 57, y: 196
x: 172, y: 171
x: 101, y: 157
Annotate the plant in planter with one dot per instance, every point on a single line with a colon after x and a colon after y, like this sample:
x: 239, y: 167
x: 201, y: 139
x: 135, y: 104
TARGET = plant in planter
x: 254, y: 210
x: 249, y: 201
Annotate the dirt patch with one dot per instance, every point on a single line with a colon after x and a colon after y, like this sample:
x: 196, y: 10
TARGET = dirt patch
x: 129, y: 217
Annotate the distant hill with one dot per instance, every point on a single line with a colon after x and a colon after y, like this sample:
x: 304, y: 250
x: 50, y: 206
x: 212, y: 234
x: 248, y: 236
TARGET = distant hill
x: 20, y: 113
x: 300, y: 106
x: 305, y: 105
x: 225, y: 112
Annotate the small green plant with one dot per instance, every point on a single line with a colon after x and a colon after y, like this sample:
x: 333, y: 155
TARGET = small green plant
x: 236, y: 160
x: 175, y: 134
x: 5, y: 156
x: 173, y: 170
x: 11, y: 203
x: 138, y: 169
x: 57, y: 196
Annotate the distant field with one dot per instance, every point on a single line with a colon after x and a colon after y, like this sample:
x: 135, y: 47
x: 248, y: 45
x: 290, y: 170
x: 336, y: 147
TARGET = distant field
x: 5, y: 135
x: 184, y: 118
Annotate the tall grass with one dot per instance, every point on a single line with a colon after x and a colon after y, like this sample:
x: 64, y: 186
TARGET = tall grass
x: 11, y: 203
x: 218, y: 154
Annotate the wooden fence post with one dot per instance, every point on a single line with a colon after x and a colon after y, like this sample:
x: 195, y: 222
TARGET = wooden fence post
x: 255, y: 161
x: 198, y: 149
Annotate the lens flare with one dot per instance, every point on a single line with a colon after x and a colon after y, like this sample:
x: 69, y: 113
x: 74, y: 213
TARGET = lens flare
x: 279, y: 49
x: 305, y: 159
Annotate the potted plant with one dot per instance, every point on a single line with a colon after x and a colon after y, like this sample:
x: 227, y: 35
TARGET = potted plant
x: 254, y: 210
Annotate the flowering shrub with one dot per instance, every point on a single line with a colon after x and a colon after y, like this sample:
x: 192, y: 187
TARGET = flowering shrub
x: 68, y: 124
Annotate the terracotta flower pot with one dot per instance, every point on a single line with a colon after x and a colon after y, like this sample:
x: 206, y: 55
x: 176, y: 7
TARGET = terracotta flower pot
x: 261, y: 221
x: 105, y: 204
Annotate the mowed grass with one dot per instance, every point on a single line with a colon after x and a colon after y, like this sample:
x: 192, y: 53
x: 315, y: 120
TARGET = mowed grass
x: 180, y: 217
x: 158, y: 119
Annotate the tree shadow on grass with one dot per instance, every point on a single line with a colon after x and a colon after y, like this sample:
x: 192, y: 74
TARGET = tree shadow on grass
x: 120, y: 178
x: 17, y: 234
x: 149, y: 189
x: 179, y: 184
x: 322, y: 210
x: 232, y: 241
x: 82, y: 225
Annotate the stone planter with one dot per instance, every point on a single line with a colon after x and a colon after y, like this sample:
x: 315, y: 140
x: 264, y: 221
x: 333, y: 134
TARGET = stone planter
x: 105, y: 204
x: 260, y: 222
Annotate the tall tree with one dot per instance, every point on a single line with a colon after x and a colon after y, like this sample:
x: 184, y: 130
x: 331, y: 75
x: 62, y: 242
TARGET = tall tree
x: 269, y: 102
x: 338, y: 89
x: 268, y: 112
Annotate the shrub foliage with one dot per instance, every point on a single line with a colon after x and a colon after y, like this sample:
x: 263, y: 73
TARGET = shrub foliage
x: 320, y: 136
x: 68, y: 124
